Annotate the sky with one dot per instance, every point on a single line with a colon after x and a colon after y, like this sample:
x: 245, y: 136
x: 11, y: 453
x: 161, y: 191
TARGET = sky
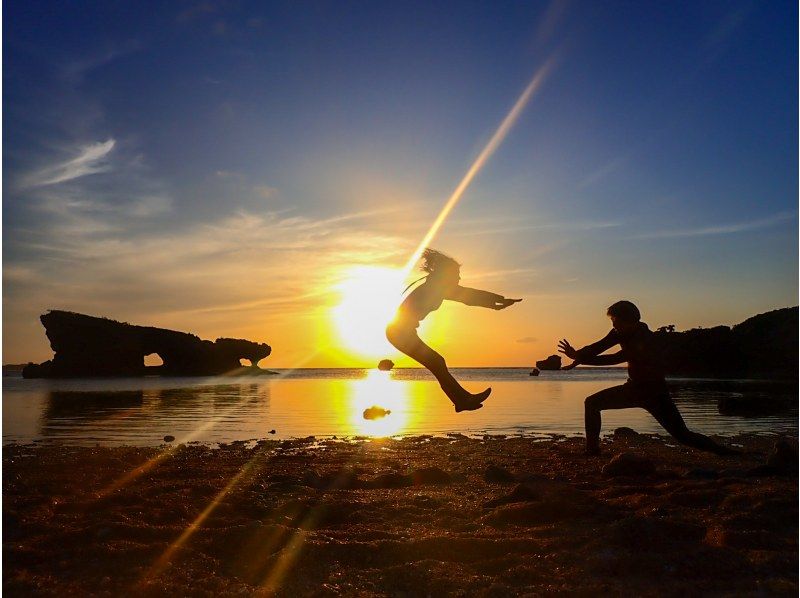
x: 237, y: 168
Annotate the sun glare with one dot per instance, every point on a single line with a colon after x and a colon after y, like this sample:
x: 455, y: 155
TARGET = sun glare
x: 369, y: 299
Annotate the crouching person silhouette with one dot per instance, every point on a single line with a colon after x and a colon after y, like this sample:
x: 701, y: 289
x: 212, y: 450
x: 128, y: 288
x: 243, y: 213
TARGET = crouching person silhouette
x: 646, y: 387
x: 441, y: 282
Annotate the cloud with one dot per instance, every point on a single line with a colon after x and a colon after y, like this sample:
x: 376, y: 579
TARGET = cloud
x: 515, y: 273
x: 91, y: 159
x: 527, y: 339
x: 148, y: 206
x: 75, y: 70
x: 263, y: 265
x: 719, y: 229
x: 199, y: 9
x: 604, y: 171
x: 585, y: 225
x: 264, y: 191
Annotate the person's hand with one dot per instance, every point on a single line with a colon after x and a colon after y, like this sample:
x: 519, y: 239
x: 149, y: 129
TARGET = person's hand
x: 570, y: 366
x: 567, y: 349
x: 504, y: 303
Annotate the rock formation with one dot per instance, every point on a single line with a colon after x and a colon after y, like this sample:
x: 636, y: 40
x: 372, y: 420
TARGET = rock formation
x: 762, y: 346
x: 87, y: 346
x: 375, y: 412
x: 551, y: 363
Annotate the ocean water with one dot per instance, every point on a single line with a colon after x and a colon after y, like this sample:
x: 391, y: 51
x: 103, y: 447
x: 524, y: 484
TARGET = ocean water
x: 331, y: 402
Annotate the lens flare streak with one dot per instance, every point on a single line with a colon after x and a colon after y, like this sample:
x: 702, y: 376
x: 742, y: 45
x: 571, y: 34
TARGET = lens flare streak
x: 483, y: 157
x: 164, y: 560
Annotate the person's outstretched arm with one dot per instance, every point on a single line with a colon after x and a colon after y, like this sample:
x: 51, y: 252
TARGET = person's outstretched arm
x: 590, y: 354
x: 479, y: 298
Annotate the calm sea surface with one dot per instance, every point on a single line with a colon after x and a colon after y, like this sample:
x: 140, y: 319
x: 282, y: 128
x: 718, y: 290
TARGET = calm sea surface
x: 331, y: 402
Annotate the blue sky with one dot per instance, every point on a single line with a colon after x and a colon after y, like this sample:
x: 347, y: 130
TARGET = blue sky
x: 213, y: 166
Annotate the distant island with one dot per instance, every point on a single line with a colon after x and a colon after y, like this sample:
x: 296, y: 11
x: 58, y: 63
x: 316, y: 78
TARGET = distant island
x: 764, y: 346
x: 88, y: 346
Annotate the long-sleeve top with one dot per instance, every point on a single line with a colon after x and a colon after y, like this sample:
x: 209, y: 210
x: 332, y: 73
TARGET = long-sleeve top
x: 637, y: 348
x: 429, y: 297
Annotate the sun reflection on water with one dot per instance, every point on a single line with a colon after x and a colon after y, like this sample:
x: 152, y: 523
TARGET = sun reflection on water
x: 379, y: 389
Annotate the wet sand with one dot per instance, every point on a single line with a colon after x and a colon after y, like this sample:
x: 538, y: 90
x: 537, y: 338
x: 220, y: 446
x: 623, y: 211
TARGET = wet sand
x: 417, y: 516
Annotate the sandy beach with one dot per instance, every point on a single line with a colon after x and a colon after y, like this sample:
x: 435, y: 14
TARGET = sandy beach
x: 410, y: 517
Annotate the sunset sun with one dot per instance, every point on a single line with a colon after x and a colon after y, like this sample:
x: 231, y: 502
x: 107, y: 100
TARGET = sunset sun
x: 369, y: 298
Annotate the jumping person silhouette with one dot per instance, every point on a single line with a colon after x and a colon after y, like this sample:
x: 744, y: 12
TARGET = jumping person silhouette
x: 441, y: 282
x: 646, y: 386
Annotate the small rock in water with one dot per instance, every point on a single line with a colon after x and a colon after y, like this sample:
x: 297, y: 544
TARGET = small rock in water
x: 375, y: 412
x: 169, y: 438
x: 272, y: 431
x: 628, y: 464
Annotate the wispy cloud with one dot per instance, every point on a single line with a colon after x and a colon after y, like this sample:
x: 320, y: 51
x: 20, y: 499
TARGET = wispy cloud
x: 76, y: 70
x: 236, y: 263
x: 604, y: 171
x: 91, y: 159
x: 148, y: 206
x: 719, y: 229
x: 503, y: 274
x: 527, y: 339
x: 542, y: 226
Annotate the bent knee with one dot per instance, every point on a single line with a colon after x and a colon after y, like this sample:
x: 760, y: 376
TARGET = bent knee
x: 437, y: 361
x: 592, y: 401
x: 400, y: 338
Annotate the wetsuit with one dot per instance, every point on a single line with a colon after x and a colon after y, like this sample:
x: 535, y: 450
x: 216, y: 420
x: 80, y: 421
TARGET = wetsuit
x: 645, y: 388
x: 402, y: 331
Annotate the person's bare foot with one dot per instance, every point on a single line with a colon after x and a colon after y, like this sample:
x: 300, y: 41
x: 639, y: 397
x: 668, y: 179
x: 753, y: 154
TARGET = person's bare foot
x: 472, y: 401
x: 482, y: 396
x: 467, y: 405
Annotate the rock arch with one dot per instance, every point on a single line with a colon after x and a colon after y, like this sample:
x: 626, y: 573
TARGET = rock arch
x: 87, y: 346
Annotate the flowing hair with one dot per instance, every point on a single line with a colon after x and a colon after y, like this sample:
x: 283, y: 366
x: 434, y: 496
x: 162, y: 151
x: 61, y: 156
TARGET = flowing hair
x: 434, y: 261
